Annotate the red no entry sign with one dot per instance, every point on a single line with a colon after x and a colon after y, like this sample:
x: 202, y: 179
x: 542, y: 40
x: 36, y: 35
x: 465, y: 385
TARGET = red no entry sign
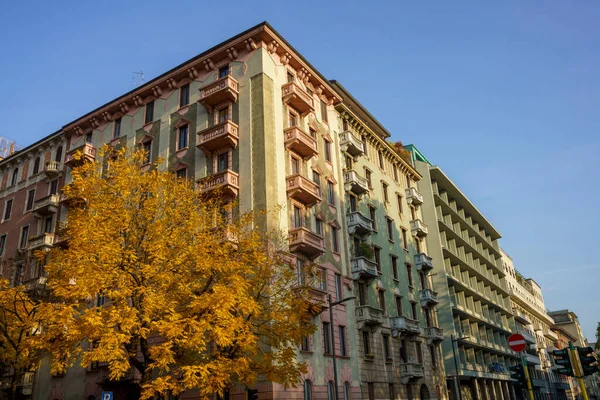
x: 517, y: 342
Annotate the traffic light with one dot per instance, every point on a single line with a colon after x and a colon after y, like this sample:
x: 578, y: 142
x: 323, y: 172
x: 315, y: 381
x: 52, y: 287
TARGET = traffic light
x: 517, y: 372
x: 563, y: 360
x: 251, y: 394
x: 587, y: 358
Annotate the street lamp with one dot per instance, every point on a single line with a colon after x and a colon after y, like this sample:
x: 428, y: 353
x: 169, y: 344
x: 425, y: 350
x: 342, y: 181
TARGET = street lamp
x: 457, y: 384
x: 331, y: 304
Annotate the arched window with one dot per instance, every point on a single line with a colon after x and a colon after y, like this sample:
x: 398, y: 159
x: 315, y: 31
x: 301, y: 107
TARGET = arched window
x: 346, y: 391
x: 15, y: 176
x: 58, y: 154
x: 424, y: 392
x: 307, y: 390
x: 36, y: 166
x: 330, y: 391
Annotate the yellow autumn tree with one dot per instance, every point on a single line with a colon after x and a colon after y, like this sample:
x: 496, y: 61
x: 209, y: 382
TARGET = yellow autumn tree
x: 195, y: 294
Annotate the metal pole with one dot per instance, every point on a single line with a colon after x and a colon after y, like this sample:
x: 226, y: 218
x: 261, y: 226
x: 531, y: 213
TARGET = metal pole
x: 335, y: 378
x: 529, y: 387
x: 457, y: 379
x: 575, y: 362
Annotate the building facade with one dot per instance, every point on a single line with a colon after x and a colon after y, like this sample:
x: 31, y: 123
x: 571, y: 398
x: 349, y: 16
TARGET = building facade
x: 475, y: 310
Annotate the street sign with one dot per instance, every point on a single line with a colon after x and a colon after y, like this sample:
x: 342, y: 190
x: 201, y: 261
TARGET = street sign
x: 106, y: 396
x: 517, y: 342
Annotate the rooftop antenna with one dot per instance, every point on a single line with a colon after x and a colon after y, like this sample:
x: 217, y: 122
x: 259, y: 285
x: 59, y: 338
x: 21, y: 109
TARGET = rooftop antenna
x: 141, y: 75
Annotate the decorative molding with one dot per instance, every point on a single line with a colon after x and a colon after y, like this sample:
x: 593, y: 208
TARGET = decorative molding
x: 156, y: 91
x: 192, y: 73
x: 209, y: 65
x: 138, y: 101
x: 272, y: 46
x: 232, y: 53
x: 250, y: 44
x: 285, y: 58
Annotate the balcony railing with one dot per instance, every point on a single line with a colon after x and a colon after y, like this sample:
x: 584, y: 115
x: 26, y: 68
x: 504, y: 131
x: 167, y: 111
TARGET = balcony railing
x: 351, y: 144
x: 358, y: 223
x: 423, y: 262
x: 300, y: 142
x: 224, y: 183
x: 46, y: 205
x: 36, y: 283
x: 89, y: 154
x: 219, y: 91
x: 225, y: 134
x: 368, y: 316
x: 428, y: 298
x: 45, y: 240
x: 418, y: 228
x: 304, y: 241
x: 406, y: 325
x: 414, y: 196
x: 52, y: 168
x: 362, y: 268
x: 304, y: 190
x: 411, y: 370
x: 528, y: 335
x: 434, y: 334
x: 293, y: 95
x: 521, y: 316
x: 355, y: 183
x: 531, y: 359
x: 550, y: 334
x: 317, y: 299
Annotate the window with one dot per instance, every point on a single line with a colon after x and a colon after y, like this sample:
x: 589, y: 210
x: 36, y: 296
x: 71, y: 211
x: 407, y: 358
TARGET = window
x: 117, y: 128
x: 399, y: 204
x: 7, y: 209
x: 404, y: 239
x: 223, y: 161
x: 334, y: 239
x: 18, y: 275
x: 290, y: 77
x: 330, y: 193
x: 362, y: 294
x: 386, y: 347
x: 346, y: 391
x: 345, y: 125
x: 300, y: 270
x: 307, y: 390
x: 326, y: 338
x: 223, y: 71
x: 419, y: 352
x: 149, y: 117
x: 394, y: 262
x: 24, y: 237
x: 36, y: 166
x: 381, y: 159
x: 182, y: 140
x: 409, y: 275
x: 88, y: 137
x: 399, y: 306
x: 100, y: 300
x: 323, y: 111
x: 223, y: 115
x: 385, y: 192
x: 318, y: 226
x: 382, y: 301
x: 403, y: 355
x: 327, y: 147
x: 390, y: 229
x: 366, y: 344
x: 353, y: 206
x: 433, y: 356
x: 2, y: 244
x: 407, y: 181
x: 357, y: 246
x: 368, y: 177
x: 58, y: 156
x: 395, y: 173
x: 418, y: 245
x: 295, y: 166
x: 377, y: 251
x: 365, y: 146
x: 181, y: 173
x: 349, y: 162
x: 323, y: 280
x: 371, y: 387
x: 30, y: 197
x: 330, y: 391
x: 342, y: 333
x: 338, y: 287
x: 54, y: 186
x: 317, y: 178
x: 392, y: 391
x: 413, y: 309
x: 305, y: 346
x: 423, y: 280
x: 184, y: 95
x: 373, y: 219
x: 297, y: 217
x: 15, y: 176
x: 147, y: 149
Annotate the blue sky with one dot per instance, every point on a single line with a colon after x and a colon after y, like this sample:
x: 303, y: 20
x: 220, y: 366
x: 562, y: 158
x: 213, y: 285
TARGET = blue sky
x: 502, y: 95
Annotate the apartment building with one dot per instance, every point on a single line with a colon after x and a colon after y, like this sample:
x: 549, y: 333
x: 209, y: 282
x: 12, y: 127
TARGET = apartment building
x: 533, y: 322
x: 398, y: 338
x: 474, y: 300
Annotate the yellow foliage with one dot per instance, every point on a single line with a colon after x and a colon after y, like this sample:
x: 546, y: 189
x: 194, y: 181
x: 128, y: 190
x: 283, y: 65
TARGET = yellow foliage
x: 197, y: 295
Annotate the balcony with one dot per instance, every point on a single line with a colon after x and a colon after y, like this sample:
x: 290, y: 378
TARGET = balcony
x: 304, y: 241
x: 43, y: 241
x: 300, y: 142
x: 302, y: 189
x: 550, y: 334
x: 410, y: 370
x: 362, y: 268
x: 531, y: 359
x: 434, y: 334
x: 414, y: 196
x: 225, y: 134
x: 351, y: 144
x: 225, y: 183
x: 406, y: 325
x: 521, y: 317
x: 219, y: 91
x: 317, y: 299
x: 53, y: 169
x: 562, y: 385
x: 368, y: 316
x: 418, y: 228
x: 429, y: 298
x: 423, y: 262
x: 355, y: 183
x: 529, y: 336
x: 358, y: 223
x: 88, y: 154
x: 46, y: 206
x: 293, y: 95
x: 36, y: 284
x: 538, y: 383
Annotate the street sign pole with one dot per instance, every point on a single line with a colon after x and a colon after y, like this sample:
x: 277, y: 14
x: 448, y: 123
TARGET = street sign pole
x: 576, y: 363
x: 529, y: 387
